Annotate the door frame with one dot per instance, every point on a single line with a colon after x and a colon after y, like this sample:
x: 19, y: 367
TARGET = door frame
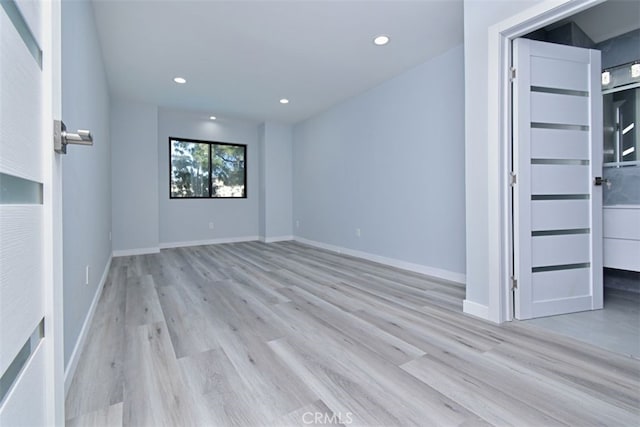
x: 500, y: 38
x: 52, y: 197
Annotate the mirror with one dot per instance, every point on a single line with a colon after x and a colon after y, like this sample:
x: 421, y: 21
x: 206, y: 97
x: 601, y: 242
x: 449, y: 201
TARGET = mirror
x: 621, y: 111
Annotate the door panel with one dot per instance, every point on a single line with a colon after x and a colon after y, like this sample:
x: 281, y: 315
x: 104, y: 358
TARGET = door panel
x: 24, y: 403
x: 21, y: 294
x: 558, y: 73
x: 575, y: 282
x: 30, y: 360
x: 20, y: 132
x: 559, y: 144
x: 559, y: 214
x: 560, y: 179
x: 557, y: 149
x: 559, y: 109
x: 559, y: 250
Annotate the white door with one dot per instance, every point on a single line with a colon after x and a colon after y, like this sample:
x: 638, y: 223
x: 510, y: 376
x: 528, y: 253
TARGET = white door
x: 557, y: 149
x: 31, y: 365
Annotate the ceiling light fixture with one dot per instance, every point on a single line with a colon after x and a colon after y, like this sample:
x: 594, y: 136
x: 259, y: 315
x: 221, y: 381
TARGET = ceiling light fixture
x: 381, y: 40
x: 284, y: 101
x: 212, y: 117
x: 180, y: 80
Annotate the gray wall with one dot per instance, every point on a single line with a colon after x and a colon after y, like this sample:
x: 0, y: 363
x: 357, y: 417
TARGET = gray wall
x: 276, y: 177
x: 624, y: 188
x: 390, y: 162
x: 85, y: 170
x: 134, y: 175
x: 620, y: 50
x: 478, y: 17
x: 188, y: 220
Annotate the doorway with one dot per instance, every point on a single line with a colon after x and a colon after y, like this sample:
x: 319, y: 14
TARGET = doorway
x: 617, y: 326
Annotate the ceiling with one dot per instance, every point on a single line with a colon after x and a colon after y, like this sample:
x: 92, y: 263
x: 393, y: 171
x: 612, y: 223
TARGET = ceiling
x: 241, y: 57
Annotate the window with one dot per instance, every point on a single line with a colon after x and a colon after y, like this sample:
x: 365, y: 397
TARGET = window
x: 206, y: 169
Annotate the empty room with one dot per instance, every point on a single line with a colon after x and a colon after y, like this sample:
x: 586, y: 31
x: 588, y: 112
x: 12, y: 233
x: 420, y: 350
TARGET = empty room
x: 319, y: 212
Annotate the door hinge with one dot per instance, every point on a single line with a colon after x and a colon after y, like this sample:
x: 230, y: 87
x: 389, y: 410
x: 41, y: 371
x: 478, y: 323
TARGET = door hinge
x: 512, y: 73
x: 512, y: 178
x: 514, y: 283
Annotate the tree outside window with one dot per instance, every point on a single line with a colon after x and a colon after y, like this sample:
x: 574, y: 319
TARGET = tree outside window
x: 207, y: 169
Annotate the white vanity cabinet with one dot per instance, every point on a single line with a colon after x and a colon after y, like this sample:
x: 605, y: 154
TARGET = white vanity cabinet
x: 621, y: 232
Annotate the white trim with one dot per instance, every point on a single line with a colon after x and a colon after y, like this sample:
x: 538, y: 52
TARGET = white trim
x: 499, y: 40
x: 209, y: 242
x: 475, y: 309
x: 52, y: 214
x: 418, y: 268
x: 70, y: 369
x: 137, y: 251
x: 276, y: 239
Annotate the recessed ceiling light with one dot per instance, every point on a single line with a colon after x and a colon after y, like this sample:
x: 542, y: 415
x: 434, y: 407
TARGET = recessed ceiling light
x: 180, y: 80
x: 212, y: 117
x: 284, y: 101
x: 381, y: 40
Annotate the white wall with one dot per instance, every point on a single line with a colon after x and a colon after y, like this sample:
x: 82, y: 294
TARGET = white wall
x: 85, y: 170
x: 134, y: 176
x: 391, y: 163
x: 185, y: 221
x: 276, y: 175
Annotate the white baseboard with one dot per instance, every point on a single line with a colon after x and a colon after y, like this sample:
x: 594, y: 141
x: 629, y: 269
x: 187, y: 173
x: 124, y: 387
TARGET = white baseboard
x: 70, y: 369
x: 137, y: 251
x: 276, y: 239
x: 475, y: 309
x: 208, y: 242
x: 418, y: 268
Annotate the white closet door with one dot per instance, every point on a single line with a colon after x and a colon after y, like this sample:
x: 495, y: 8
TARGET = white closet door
x: 557, y: 150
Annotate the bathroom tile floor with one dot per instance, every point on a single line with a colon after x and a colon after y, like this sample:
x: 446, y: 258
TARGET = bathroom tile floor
x: 615, y: 328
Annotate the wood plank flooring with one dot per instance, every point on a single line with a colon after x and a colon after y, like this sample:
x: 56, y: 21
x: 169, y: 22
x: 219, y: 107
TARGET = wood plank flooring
x: 282, y: 334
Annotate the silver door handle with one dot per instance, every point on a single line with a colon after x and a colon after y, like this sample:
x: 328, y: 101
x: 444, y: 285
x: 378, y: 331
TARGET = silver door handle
x: 61, y: 138
x: 598, y: 180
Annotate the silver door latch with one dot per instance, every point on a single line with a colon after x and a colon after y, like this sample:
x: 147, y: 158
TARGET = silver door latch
x: 61, y: 138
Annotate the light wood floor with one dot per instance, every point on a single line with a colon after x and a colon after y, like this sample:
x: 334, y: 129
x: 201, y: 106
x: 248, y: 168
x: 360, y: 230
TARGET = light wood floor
x: 283, y: 334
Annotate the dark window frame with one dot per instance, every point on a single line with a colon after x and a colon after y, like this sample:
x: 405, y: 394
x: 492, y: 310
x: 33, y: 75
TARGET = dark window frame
x: 210, y: 143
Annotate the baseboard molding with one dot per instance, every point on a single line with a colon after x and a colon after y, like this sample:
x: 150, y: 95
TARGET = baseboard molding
x: 475, y: 309
x: 418, y: 268
x: 276, y: 239
x: 170, y: 245
x: 70, y: 369
x: 137, y: 251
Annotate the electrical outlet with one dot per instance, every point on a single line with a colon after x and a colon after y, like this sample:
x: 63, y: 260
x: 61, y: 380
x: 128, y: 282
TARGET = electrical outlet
x: 358, y: 233
x: 297, y: 223
x: 210, y: 226
x: 109, y: 236
x: 86, y: 275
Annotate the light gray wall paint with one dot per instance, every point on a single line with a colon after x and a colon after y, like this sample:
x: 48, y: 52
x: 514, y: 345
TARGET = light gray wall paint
x: 85, y: 170
x: 277, y: 172
x: 188, y: 220
x: 479, y: 15
x: 390, y: 162
x: 262, y: 224
x: 134, y: 175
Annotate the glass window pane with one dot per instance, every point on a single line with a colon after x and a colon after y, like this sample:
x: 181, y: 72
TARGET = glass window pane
x: 228, y: 170
x: 189, y: 169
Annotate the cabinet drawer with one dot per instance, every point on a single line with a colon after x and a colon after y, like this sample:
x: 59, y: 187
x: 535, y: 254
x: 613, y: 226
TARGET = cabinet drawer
x: 622, y: 254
